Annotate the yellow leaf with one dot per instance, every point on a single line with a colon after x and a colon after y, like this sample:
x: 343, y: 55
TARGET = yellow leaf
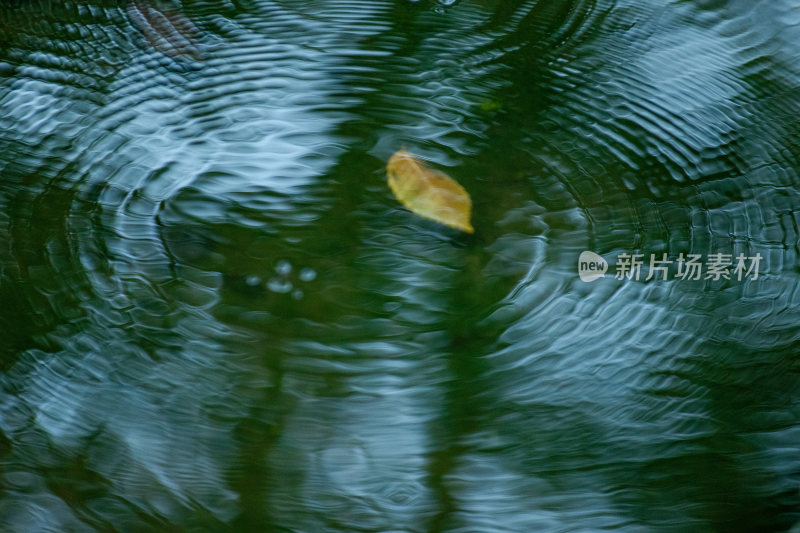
x: 429, y: 193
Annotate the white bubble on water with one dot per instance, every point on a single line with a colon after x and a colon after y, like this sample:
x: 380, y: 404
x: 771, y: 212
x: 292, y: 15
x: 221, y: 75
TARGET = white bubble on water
x: 281, y: 286
x: 284, y: 268
x: 308, y: 274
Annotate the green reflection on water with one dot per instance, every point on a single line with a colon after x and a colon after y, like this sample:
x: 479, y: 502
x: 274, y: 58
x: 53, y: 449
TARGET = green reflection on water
x: 216, y: 317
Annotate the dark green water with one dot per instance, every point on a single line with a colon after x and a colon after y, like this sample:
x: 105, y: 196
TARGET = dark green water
x: 215, y: 317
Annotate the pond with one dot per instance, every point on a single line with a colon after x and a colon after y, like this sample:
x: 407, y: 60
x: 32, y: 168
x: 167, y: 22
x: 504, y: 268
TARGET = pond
x: 217, y: 317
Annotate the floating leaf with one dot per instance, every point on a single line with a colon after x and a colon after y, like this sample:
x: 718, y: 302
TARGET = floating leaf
x: 429, y: 193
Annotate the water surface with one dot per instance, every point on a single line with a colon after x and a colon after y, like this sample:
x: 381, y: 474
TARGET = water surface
x: 217, y: 318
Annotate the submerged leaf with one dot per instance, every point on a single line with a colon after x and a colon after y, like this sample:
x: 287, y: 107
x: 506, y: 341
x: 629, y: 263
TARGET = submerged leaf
x: 168, y: 31
x: 429, y: 193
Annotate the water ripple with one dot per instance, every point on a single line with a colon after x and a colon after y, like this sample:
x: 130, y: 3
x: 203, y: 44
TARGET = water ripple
x: 217, y: 318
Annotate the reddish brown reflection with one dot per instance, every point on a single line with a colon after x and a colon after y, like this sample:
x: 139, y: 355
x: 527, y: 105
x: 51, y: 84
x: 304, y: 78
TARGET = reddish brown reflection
x: 168, y: 30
